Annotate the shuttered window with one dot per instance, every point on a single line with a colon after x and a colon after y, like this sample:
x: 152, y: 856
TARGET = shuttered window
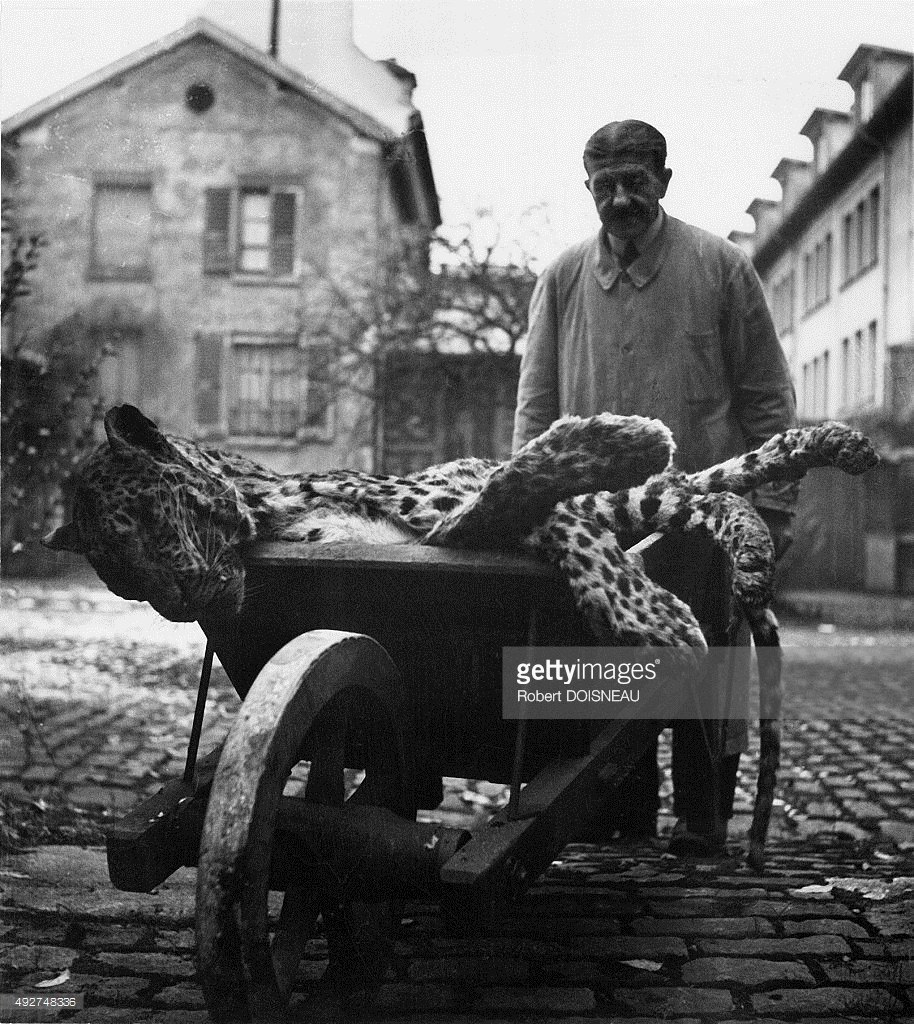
x: 258, y: 239
x: 264, y: 387
x: 266, y: 382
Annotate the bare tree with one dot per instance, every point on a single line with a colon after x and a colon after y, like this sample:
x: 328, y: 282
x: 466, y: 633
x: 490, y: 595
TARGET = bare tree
x: 453, y: 292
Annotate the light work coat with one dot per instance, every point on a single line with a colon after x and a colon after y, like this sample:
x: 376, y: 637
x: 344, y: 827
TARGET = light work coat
x: 684, y: 335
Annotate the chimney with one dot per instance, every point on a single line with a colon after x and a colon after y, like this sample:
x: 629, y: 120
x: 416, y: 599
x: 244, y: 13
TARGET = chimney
x: 274, y: 29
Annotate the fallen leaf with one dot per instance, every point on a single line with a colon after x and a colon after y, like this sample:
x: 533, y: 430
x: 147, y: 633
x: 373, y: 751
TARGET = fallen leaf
x: 13, y: 874
x: 812, y: 890
x: 644, y: 965
x: 874, y: 888
x: 61, y: 979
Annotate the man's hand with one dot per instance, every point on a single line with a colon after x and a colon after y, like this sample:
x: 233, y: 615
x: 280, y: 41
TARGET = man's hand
x: 779, y: 526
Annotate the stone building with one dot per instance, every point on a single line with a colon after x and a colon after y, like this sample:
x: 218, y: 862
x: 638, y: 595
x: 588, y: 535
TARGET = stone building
x: 201, y: 199
x: 836, y: 257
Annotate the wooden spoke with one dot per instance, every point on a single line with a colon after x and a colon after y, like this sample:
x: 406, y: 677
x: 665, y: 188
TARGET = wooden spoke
x: 324, y: 692
x: 297, y: 925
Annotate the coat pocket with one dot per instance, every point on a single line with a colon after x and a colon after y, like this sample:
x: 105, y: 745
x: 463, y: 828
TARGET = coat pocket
x: 704, y: 376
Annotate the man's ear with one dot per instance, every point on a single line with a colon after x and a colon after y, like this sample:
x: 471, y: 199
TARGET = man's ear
x: 665, y: 176
x: 129, y: 431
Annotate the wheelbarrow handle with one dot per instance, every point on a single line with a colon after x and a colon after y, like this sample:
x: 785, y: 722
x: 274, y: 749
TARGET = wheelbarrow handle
x: 644, y: 543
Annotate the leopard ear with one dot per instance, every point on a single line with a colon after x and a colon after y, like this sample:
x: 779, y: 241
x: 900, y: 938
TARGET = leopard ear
x: 64, y: 538
x: 128, y: 429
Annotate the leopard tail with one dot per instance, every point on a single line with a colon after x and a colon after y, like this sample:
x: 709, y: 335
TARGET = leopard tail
x: 767, y: 641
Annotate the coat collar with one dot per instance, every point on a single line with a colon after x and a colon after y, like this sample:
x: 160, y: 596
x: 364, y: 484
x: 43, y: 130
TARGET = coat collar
x: 645, y: 267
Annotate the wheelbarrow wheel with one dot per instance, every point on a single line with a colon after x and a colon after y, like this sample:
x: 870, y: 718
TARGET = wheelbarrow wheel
x: 318, y: 696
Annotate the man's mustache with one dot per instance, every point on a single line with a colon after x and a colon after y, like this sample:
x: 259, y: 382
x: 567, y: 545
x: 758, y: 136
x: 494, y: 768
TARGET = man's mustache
x: 635, y: 208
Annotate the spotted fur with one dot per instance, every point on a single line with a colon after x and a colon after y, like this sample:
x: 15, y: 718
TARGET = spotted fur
x: 166, y: 520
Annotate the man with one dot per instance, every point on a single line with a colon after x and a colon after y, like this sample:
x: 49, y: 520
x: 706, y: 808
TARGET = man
x: 655, y: 317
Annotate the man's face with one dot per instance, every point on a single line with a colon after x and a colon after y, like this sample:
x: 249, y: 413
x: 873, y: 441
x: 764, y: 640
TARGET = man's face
x: 627, y: 195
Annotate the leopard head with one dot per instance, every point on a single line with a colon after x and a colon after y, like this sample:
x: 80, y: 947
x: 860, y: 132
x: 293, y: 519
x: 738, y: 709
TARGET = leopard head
x: 157, y: 522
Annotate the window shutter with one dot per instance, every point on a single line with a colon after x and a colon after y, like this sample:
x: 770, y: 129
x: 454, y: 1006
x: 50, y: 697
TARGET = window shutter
x: 208, y: 385
x: 216, y: 254
x: 282, y: 243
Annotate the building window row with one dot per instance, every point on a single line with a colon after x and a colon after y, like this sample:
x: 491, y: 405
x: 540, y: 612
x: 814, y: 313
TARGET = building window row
x: 782, y: 304
x: 857, y: 370
x: 860, y: 236
x: 817, y: 274
x: 250, y: 230
x: 859, y: 252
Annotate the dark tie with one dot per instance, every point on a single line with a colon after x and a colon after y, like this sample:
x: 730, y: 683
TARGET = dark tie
x: 629, y: 255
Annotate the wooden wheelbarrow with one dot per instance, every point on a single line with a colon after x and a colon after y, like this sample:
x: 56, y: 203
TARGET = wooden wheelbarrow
x: 367, y: 673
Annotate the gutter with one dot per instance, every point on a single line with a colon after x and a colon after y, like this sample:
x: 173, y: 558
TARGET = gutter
x: 867, y: 142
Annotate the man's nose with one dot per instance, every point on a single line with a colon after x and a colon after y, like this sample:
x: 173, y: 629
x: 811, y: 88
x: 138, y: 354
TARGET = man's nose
x: 621, y: 196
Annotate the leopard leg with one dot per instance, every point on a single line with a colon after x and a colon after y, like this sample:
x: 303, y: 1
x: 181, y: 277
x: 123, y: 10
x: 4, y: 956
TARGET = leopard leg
x: 735, y: 526
x: 666, y: 504
x: 620, y: 603
x: 417, y: 502
x: 788, y: 456
x: 574, y: 456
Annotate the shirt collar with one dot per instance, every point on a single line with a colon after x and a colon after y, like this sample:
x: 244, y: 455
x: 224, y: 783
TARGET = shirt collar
x: 652, y: 247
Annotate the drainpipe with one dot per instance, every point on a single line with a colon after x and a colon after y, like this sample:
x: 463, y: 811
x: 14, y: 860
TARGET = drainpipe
x: 885, y: 201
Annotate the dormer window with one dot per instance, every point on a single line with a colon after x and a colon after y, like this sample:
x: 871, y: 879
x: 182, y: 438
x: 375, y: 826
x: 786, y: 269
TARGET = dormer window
x: 867, y: 99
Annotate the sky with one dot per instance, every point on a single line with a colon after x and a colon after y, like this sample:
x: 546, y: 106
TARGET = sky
x: 510, y: 90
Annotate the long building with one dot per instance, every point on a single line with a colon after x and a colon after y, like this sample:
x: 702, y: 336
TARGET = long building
x: 836, y: 258
x: 835, y: 254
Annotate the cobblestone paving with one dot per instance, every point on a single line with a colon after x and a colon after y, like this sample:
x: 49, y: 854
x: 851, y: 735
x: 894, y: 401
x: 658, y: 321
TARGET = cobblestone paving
x: 611, y: 933
x: 98, y: 694
x: 96, y: 698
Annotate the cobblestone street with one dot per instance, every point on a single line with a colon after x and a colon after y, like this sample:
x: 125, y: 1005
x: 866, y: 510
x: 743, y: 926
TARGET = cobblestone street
x: 97, y: 699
